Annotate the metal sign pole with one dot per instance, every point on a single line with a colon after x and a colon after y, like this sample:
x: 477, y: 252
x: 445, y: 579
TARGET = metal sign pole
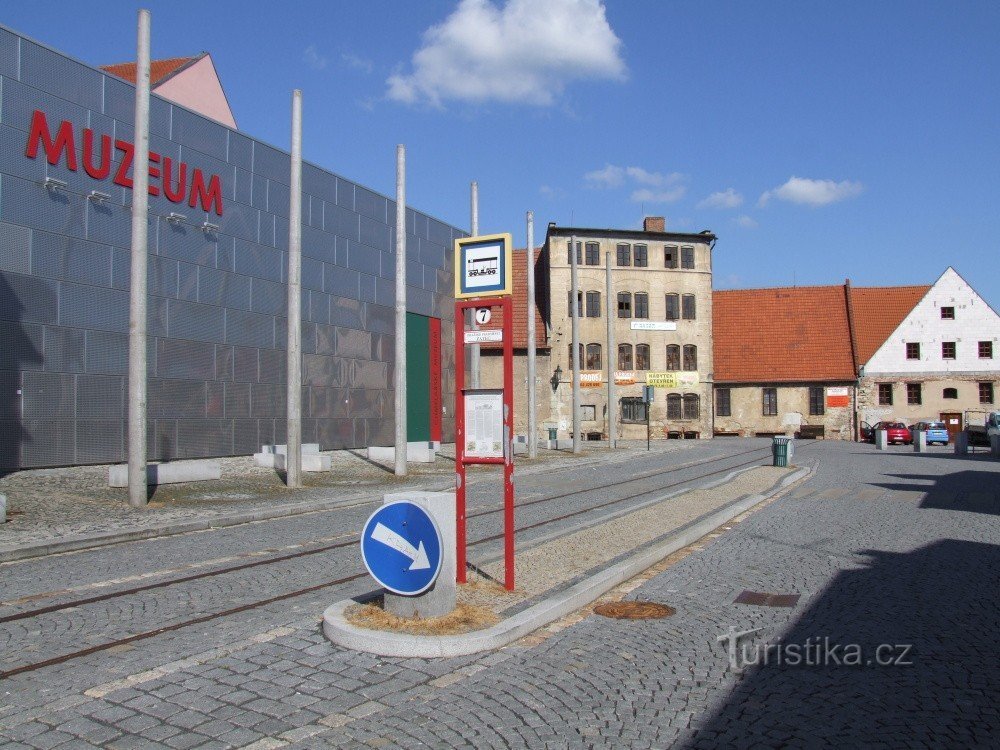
x: 293, y: 395
x: 532, y: 406
x: 460, y: 442
x: 507, y: 308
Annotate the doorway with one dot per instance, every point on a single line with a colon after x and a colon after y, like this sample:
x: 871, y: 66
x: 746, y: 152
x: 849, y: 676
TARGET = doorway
x: 953, y: 423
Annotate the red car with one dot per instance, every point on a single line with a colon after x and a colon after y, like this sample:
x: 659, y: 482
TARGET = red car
x: 896, y: 432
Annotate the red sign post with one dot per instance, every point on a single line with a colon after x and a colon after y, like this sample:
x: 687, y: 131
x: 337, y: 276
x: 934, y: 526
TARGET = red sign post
x: 467, y: 448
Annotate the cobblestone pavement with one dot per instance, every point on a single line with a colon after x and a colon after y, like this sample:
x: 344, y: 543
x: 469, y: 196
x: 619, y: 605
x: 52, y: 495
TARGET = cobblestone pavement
x: 883, y: 547
x: 47, y: 505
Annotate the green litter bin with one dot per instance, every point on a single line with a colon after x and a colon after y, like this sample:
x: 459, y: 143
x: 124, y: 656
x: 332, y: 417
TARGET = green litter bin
x: 552, y: 433
x: 779, y: 450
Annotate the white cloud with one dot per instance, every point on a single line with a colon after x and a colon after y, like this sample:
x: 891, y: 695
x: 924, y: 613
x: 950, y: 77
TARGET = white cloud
x: 610, y: 176
x: 727, y: 198
x: 745, y: 221
x: 313, y: 58
x: 645, y: 195
x: 655, y: 179
x: 813, y: 193
x: 523, y: 53
x: 358, y: 63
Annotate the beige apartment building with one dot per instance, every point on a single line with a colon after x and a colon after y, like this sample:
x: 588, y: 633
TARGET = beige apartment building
x: 661, y: 307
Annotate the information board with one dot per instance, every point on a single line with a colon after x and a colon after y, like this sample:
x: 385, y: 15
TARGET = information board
x: 484, y: 423
x: 483, y: 266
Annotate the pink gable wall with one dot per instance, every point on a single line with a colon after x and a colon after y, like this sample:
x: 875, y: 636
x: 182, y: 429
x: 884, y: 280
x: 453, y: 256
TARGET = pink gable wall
x: 198, y: 88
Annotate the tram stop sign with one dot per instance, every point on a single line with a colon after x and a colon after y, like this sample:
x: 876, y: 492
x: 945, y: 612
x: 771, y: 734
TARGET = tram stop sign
x: 401, y: 547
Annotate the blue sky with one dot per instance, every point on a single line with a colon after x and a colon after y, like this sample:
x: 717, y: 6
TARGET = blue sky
x: 818, y: 140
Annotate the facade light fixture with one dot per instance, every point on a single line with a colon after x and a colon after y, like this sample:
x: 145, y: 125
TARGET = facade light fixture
x: 556, y: 378
x: 51, y: 183
x: 209, y: 228
x: 98, y: 197
x: 175, y: 218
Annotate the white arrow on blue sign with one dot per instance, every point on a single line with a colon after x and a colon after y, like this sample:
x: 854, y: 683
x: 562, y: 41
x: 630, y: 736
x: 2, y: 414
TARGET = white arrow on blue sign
x: 401, y: 548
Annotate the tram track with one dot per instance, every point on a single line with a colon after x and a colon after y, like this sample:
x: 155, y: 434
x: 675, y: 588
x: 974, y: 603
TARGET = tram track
x: 132, y: 638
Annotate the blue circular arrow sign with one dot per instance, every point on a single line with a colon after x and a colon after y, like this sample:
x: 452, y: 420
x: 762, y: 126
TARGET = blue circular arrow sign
x: 401, y: 547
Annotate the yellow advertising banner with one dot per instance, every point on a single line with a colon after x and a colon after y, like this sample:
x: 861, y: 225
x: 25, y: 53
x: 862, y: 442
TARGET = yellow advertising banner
x: 672, y: 379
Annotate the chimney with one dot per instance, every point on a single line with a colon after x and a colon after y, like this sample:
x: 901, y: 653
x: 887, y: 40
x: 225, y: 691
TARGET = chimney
x: 653, y: 224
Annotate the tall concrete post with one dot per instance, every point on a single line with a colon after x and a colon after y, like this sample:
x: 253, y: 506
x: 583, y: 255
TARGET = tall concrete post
x: 293, y: 459
x: 399, y: 382
x: 532, y: 406
x: 474, y: 348
x: 137, y: 287
x: 575, y: 306
x: 612, y: 361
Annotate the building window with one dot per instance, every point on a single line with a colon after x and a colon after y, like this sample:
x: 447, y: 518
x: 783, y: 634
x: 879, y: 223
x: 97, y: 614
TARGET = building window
x: 816, y: 405
x: 593, y: 257
x: 673, y: 308
x: 593, y: 304
x: 913, y: 395
x: 913, y: 351
x: 687, y: 257
x: 569, y: 252
x: 673, y: 357
x: 624, y: 255
x: 722, y: 402
x: 571, y: 355
x: 624, y: 356
x: 687, y: 307
x: 949, y: 393
x: 986, y: 393
x: 947, y: 313
x: 947, y: 350
x: 579, y: 303
x: 633, y: 410
x: 885, y: 394
x: 673, y: 406
x: 642, y: 356
x: 690, y: 357
x: 670, y: 256
x: 624, y: 304
x: 770, y: 405
x: 641, y: 305
x: 692, y: 406
x: 986, y: 350
x: 641, y: 256
x: 588, y: 413
x: 593, y: 357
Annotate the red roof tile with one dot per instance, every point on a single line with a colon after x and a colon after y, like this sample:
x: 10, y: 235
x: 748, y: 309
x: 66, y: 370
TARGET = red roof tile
x: 796, y: 334
x: 520, y: 301
x: 877, y: 311
x: 159, y: 70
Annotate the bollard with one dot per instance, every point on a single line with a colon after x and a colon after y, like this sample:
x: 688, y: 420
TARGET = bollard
x: 3, y: 509
x: 961, y: 443
x: 995, y: 445
x: 919, y: 441
x: 881, y: 440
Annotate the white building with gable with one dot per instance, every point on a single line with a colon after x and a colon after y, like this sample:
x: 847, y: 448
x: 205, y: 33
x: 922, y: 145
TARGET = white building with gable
x: 941, y: 362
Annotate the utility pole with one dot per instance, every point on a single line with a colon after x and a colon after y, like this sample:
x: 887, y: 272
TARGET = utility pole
x: 474, y: 348
x: 400, y: 372
x: 532, y: 406
x: 575, y: 306
x: 293, y: 394
x: 137, y: 287
x: 612, y: 361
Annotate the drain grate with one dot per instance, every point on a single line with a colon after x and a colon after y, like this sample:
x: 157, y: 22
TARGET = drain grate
x: 632, y: 610
x: 767, y: 600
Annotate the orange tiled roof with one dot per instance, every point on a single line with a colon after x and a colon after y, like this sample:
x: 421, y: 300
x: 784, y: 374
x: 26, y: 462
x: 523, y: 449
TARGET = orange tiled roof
x: 520, y: 301
x: 793, y: 334
x: 159, y: 70
x: 877, y: 312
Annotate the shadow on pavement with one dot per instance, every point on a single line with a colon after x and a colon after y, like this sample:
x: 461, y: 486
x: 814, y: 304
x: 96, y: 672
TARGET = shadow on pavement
x: 935, y: 609
x: 970, y: 491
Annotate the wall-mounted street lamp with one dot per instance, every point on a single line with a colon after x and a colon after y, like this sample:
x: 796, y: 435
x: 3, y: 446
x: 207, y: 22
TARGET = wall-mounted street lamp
x: 51, y: 183
x: 556, y: 379
x: 209, y: 228
x: 98, y: 197
x: 175, y: 218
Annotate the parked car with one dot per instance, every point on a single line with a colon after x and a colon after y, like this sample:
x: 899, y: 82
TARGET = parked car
x: 896, y: 432
x: 936, y: 431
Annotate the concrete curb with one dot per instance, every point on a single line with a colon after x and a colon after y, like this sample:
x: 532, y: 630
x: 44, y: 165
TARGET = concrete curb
x: 339, y: 631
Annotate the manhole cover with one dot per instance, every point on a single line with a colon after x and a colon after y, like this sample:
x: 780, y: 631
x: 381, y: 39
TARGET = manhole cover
x: 634, y: 610
x: 767, y: 600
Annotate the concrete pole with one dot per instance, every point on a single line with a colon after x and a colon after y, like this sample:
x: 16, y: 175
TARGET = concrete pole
x: 575, y: 306
x: 399, y: 382
x: 474, y: 348
x: 293, y: 460
x: 532, y: 406
x: 137, y: 288
x: 612, y: 361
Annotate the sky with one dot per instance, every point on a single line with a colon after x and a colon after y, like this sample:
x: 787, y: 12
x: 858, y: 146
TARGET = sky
x: 818, y: 140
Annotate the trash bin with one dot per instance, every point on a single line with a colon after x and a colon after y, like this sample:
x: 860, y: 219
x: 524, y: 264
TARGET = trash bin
x: 779, y: 450
x: 552, y: 433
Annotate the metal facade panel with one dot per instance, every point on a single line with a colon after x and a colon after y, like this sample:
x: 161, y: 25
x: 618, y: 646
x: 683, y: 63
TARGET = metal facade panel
x: 23, y: 345
x: 237, y: 400
x: 177, y: 358
x: 176, y: 398
x: 63, y: 349
x: 56, y: 256
x: 48, y: 442
x: 100, y: 441
x: 204, y: 437
x: 190, y: 320
x: 93, y: 307
x: 267, y: 400
x: 46, y: 395
x: 257, y: 260
x: 348, y: 312
x: 107, y: 352
x: 224, y: 289
x: 187, y: 281
x: 249, y: 329
x: 244, y: 364
x: 267, y: 297
x: 100, y: 397
x: 342, y: 282
x: 9, y: 54
x: 200, y: 134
